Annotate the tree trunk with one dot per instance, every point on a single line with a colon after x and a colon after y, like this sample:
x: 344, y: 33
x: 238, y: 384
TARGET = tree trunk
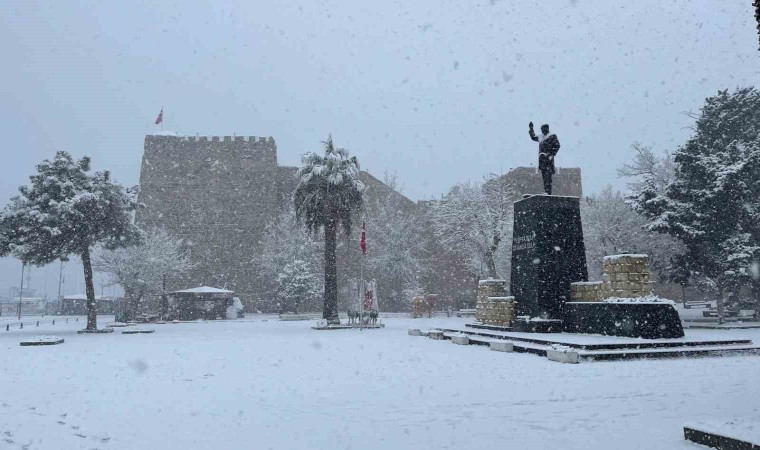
x: 92, y: 310
x: 330, y: 310
x: 491, y: 265
x: 720, y: 305
x: 135, y: 303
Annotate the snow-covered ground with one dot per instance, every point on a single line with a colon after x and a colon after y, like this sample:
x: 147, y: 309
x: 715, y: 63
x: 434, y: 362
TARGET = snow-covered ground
x: 271, y: 384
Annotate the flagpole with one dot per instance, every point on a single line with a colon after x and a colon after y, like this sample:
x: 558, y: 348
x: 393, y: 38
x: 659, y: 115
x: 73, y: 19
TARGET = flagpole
x: 363, y: 290
x: 162, y: 117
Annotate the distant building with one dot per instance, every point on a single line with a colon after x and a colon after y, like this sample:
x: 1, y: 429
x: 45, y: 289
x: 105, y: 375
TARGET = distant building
x: 76, y: 304
x: 204, y: 302
x: 29, y: 306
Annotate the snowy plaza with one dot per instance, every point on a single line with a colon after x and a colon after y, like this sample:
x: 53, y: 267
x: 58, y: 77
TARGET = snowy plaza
x: 263, y: 383
x: 462, y: 225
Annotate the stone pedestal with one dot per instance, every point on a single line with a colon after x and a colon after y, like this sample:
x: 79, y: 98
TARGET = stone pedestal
x: 486, y: 289
x: 548, y: 254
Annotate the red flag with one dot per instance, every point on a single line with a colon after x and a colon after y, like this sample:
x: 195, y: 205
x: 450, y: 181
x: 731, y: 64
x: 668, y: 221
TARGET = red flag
x: 160, y: 117
x: 363, y: 242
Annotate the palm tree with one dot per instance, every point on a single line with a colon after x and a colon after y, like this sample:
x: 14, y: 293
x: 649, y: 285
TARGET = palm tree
x: 328, y: 192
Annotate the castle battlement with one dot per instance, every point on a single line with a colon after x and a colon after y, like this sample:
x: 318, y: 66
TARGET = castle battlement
x: 260, y: 139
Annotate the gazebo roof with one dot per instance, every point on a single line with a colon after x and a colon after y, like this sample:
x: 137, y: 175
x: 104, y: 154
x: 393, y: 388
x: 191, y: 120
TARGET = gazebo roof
x: 204, y: 290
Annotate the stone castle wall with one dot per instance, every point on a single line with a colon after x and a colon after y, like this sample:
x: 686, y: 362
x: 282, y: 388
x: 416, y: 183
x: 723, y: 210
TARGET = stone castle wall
x: 217, y: 194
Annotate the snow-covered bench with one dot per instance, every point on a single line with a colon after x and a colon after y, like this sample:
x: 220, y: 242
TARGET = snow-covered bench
x: 466, y: 313
x: 693, y: 303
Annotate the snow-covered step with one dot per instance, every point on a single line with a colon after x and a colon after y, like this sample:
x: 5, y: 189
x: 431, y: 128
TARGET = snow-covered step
x: 733, y: 435
x: 504, y: 345
x: 670, y: 352
x: 600, y: 348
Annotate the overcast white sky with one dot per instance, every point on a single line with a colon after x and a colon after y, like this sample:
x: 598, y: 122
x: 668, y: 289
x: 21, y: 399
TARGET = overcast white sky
x: 436, y: 91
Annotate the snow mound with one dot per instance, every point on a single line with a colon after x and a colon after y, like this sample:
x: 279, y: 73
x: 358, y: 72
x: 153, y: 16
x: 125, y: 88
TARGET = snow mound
x: 613, y: 258
x: 42, y: 340
x: 640, y: 300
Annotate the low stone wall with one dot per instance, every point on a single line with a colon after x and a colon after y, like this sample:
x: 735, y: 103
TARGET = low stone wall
x: 488, y: 289
x: 496, y: 311
x: 491, y: 288
x: 624, y: 276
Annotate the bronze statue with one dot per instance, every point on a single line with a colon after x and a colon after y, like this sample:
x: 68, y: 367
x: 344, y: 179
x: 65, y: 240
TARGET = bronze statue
x: 548, y: 146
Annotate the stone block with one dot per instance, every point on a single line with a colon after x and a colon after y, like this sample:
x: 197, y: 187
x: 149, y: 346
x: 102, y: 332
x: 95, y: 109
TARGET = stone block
x: 563, y: 356
x: 501, y: 346
x: 436, y: 334
x: 460, y: 340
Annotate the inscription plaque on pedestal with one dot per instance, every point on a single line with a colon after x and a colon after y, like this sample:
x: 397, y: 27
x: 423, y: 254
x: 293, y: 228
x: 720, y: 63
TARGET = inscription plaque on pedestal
x: 547, y: 254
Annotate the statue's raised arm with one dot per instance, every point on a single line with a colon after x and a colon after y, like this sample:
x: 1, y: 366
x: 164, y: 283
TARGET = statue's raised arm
x: 531, y: 132
x: 548, y: 146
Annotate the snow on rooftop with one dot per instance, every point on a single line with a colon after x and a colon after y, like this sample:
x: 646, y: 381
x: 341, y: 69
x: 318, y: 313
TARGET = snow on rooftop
x: 82, y: 297
x: 205, y: 290
x: 619, y: 257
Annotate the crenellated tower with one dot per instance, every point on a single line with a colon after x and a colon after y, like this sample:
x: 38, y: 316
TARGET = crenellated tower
x: 217, y: 194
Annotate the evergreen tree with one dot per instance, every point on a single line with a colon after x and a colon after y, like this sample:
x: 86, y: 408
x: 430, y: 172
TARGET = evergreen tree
x: 712, y: 204
x: 328, y: 192
x: 286, y: 240
x: 68, y: 210
x: 297, y: 285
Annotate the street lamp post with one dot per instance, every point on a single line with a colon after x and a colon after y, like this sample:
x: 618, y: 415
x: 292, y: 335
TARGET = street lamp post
x: 21, y: 291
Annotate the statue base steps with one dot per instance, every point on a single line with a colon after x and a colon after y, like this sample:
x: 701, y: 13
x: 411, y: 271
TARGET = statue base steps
x: 595, y: 347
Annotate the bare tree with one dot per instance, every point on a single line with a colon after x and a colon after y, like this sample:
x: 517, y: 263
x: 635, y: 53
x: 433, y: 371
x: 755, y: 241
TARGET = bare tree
x: 611, y: 226
x: 476, y: 218
x: 648, y: 170
x: 141, y: 269
x: 395, y: 246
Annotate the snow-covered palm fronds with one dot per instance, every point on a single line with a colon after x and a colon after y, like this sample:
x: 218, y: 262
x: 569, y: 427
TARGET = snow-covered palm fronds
x: 329, y: 188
